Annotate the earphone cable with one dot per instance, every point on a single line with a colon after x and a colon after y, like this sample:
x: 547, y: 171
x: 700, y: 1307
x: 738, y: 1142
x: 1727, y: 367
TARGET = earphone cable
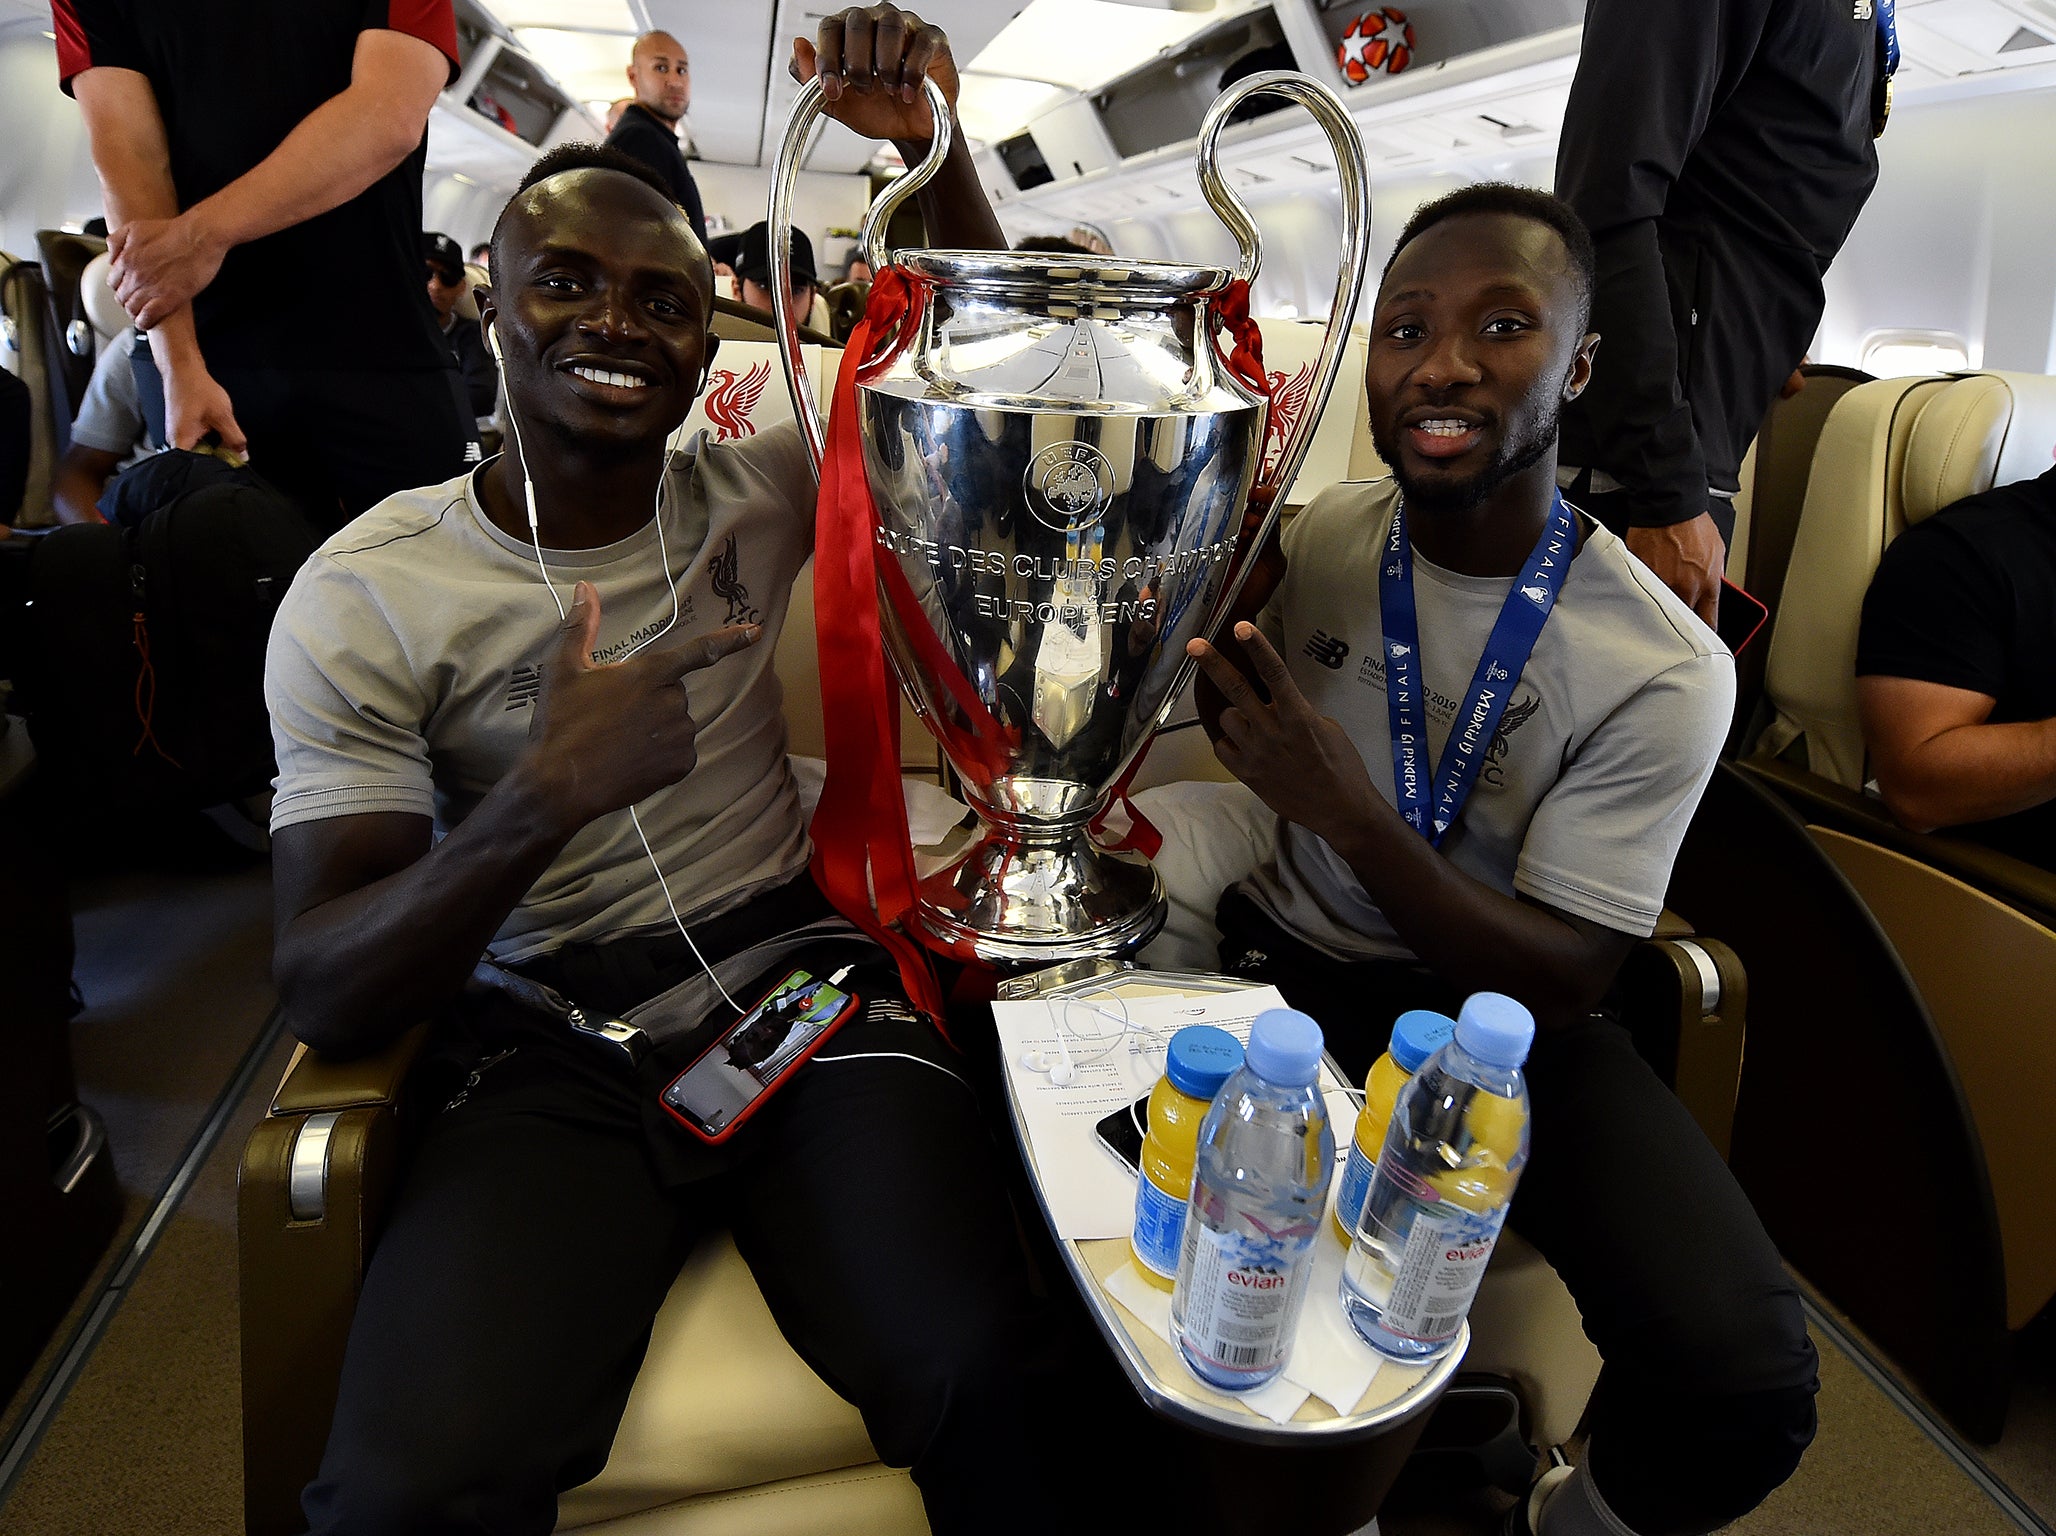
x: 563, y: 614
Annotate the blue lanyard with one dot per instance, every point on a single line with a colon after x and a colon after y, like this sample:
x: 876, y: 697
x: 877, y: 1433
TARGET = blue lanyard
x: 1888, y: 36
x: 1507, y: 650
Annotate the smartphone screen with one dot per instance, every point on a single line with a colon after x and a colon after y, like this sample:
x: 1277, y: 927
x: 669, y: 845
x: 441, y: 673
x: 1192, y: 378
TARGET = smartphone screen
x: 757, y: 1050
x: 1121, y: 1132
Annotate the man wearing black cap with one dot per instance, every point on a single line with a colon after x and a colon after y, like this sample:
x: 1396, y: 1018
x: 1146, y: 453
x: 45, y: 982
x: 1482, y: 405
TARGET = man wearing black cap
x: 446, y: 285
x: 722, y: 251
x: 753, y: 271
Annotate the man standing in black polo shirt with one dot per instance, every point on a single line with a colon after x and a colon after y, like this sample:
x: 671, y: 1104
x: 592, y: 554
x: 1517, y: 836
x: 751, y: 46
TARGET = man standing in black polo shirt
x: 1719, y: 151
x: 241, y: 145
x: 648, y: 129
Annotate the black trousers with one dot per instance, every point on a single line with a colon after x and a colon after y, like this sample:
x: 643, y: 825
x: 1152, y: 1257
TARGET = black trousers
x: 544, y: 1214
x: 1706, y: 1401
x: 339, y: 441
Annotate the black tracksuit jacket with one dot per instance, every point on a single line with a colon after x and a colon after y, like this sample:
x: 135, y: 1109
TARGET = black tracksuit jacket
x: 1719, y: 151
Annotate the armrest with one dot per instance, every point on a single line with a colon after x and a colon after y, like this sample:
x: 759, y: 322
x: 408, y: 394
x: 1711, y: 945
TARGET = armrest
x: 1684, y: 1000
x: 313, y: 1083
x: 2013, y: 881
x: 315, y: 1177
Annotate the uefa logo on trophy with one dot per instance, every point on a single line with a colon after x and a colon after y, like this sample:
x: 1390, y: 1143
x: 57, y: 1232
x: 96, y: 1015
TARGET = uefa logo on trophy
x: 1057, y: 455
x: 1067, y: 484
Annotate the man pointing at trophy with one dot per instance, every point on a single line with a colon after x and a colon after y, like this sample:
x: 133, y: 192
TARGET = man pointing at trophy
x: 512, y: 729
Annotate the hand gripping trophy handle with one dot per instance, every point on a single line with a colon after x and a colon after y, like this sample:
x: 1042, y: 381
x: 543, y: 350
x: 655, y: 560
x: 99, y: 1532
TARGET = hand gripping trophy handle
x: 806, y: 108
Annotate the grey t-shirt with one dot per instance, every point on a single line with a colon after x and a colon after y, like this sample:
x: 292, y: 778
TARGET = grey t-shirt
x: 1595, y: 769
x: 109, y: 417
x: 406, y: 659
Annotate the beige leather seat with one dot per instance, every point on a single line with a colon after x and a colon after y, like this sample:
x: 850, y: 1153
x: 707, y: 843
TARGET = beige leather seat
x: 96, y: 295
x: 1892, y: 452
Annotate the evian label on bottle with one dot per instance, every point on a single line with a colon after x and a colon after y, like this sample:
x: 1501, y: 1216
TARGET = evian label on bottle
x: 1446, y: 1252
x: 1238, y: 1299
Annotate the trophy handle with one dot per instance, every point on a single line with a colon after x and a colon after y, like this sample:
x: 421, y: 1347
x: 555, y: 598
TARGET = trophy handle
x: 784, y: 174
x: 1334, y: 119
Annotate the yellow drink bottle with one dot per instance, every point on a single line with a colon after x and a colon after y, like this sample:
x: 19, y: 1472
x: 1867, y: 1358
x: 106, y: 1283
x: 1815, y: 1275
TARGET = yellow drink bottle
x: 1416, y: 1035
x: 1200, y: 1059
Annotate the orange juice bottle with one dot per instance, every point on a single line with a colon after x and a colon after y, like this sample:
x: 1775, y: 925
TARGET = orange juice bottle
x: 1416, y: 1035
x: 1200, y: 1059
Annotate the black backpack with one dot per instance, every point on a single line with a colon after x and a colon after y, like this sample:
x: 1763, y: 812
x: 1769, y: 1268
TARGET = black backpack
x: 141, y: 668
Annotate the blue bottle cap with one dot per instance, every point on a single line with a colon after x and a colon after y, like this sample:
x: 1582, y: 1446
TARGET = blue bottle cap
x: 1285, y: 1048
x: 1418, y: 1034
x: 1201, y: 1058
x: 1495, y: 1029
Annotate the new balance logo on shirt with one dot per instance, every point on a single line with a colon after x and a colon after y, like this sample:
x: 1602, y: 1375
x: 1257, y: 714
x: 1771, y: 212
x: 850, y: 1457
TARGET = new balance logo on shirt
x: 523, y: 684
x: 1327, y: 650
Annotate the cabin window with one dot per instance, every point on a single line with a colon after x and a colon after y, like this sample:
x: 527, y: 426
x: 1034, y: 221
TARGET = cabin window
x: 1901, y: 354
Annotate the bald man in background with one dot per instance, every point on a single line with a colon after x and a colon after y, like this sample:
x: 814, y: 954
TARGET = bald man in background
x: 648, y: 126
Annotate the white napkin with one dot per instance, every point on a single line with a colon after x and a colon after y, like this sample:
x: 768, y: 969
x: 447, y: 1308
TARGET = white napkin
x: 1277, y: 1399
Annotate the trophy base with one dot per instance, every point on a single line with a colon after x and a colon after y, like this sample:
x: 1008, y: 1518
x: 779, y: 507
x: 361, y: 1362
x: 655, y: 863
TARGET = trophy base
x: 1040, y: 896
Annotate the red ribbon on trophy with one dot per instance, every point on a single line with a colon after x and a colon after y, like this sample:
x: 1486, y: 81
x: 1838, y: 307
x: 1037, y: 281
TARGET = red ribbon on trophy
x: 1245, y: 360
x: 863, y: 853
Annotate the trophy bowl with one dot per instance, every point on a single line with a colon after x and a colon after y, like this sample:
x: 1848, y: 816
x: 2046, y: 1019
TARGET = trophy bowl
x: 1060, y: 457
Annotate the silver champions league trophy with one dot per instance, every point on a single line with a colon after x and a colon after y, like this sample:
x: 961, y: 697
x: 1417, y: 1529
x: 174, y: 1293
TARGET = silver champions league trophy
x: 1061, y: 464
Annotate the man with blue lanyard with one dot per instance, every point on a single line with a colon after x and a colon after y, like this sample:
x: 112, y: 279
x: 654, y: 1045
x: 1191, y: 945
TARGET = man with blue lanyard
x: 1486, y: 729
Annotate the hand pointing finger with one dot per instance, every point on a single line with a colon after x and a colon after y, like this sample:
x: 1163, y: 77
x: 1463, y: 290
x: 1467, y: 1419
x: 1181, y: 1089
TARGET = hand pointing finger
x: 672, y: 662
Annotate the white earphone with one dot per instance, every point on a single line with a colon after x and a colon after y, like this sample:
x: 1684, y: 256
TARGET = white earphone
x: 492, y: 336
x: 1062, y: 1071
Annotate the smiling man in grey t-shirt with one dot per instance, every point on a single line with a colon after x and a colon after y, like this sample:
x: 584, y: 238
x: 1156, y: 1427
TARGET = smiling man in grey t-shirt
x: 1487, y: 727
x: 463, y: 773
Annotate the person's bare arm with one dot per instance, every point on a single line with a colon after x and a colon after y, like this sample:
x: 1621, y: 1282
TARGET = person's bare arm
x: 1940, y: 764
x: 335, y: 152
x: 82, y: 474
x: 871, y: 61
x: 1304, y: 766
x: 132, y: 157
x: 375, y: 927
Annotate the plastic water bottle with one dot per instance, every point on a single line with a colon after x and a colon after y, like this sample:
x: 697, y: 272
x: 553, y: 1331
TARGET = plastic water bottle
x: 1444, y: 1180
x: 1258, y: 1193
x: 1417, y: 1034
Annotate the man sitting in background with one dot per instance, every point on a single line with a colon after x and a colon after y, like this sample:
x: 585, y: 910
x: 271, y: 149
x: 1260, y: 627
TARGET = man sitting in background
x: 1956, y: 671
x: 447, y: 283
x: 753, y: 273
x: 110, y: 433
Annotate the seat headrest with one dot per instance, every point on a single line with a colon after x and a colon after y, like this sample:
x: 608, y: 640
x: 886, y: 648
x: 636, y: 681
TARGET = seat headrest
x: 103, y: 309
x: 1982, y: 430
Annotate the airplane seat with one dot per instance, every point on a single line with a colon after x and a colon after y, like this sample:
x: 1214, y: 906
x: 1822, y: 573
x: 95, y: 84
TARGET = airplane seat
x: 1774, y: 482
x: 29, y: 349
x: 1856, y: 1045
x: 1853, y: 508
x: 1891, y: 453
x: 475, y: 278
x: 65, y: 259
x: 845, y: 308
x: 96, y: 295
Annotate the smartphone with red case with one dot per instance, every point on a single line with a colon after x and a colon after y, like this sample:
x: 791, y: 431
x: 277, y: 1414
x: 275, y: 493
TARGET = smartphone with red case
x: 725, y: 1084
